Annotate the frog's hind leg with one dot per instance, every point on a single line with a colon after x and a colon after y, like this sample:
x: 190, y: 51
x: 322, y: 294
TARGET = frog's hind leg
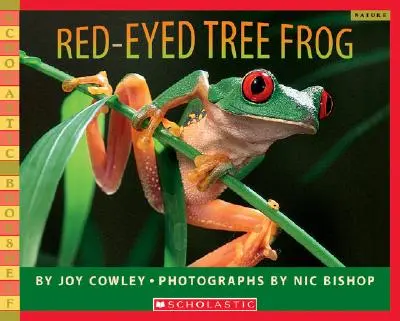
x: 133, y: 91
x: 108, y: 161
x: 246, y: 250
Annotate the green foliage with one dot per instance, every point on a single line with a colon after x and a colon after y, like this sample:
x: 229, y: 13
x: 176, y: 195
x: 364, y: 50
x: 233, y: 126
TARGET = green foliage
x: 174, y: 206
x: 143, y: 249
x: 342, y: 66
x: 41, y: 172
x: 79, y: 184
x: 91, y: 252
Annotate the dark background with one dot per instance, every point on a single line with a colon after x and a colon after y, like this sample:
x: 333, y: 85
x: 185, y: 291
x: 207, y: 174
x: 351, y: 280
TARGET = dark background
x: 346, y: 208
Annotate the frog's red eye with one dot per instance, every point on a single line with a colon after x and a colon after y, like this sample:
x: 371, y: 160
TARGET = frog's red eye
x: 326, y: 105
x: 257, y: 86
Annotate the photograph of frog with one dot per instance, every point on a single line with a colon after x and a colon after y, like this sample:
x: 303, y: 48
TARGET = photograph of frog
x: 265, y: 153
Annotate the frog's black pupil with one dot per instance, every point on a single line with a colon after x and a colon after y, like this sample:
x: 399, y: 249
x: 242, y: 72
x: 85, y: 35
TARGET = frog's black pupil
x: 329, y: 105
x: 258, y: 85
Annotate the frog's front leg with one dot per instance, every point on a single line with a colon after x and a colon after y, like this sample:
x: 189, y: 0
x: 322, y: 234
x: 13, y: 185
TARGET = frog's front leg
x: 209, y: 168
x: 195, y: 85
x: 246, y: 250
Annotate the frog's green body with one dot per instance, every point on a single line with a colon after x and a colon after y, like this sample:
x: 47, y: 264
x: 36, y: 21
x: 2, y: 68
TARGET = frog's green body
x: 230, y: 122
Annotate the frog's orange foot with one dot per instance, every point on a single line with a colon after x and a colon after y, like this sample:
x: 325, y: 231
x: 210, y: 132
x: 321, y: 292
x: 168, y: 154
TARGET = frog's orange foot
x: 101, y: 80
x: 103, y: 110
x: 172, y: 127
x: 70, y: 84
x: 156, y: 116
x: 271, y: 254
x: 257, y: 246
x: 271, y: 233
x: 209, y: 168
x: 273, y: 204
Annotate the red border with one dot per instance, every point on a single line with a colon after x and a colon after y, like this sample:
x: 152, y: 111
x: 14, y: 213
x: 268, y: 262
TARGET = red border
x: 204, y: 5
x: 184, y: 316
x: 394, y: 314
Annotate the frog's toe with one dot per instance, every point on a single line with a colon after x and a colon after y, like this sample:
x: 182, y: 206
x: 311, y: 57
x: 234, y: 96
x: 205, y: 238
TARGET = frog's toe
x: 270, y: 254
x: 100, y: 79
x: 156, y: 116
x: 172, y: 127
x: 103, y: 110
x: 273, y: 204
x: 105, y: 90
x: 143, y: 141
x: 209, y: 168
x: 196, y: 175
x: 272, y: 231
x: 69, y: 85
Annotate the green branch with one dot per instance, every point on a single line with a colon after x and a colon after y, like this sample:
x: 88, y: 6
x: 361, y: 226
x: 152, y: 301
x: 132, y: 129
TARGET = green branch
x: 234, y: 184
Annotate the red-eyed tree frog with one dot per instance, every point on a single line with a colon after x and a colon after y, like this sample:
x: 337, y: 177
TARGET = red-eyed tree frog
x: 241, y: 118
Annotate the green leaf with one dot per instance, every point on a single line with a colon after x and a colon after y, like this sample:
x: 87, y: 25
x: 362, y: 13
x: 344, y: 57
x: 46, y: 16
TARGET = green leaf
x: 46, y: 260
x: 91, y: 251
x: 144, y: 250
x: 174, y: 206
x: 79, y: 184
x: 41, y: 172
x: 342, y: 66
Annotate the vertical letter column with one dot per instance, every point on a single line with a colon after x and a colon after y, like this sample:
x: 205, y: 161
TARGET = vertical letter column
x: 9, y: 160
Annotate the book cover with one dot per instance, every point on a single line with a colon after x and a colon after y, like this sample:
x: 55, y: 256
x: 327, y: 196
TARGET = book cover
x: 199, y: 161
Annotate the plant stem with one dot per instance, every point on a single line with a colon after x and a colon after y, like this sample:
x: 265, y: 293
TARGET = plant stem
x: 180, y: 146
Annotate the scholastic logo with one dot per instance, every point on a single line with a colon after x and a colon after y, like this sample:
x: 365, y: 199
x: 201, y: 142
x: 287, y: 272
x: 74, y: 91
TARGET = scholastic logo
x: 204, y: 304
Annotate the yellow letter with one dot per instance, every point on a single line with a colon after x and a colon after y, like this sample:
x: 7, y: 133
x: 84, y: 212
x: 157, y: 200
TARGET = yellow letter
x: 261, y: 39
x: 106, y: 42
x: 65, y: 43
x: 210, y: 25
x: 150, y: 38
x: 244, y: 39
x: 166, y: 39
x: 80, y: 42
x: 330, y: 42
x: 284, y: 26
x: 225, y: 39
x: 130, y: 40
x: 180, y: 37
x: 349, y: 45
x: 301, y: 42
